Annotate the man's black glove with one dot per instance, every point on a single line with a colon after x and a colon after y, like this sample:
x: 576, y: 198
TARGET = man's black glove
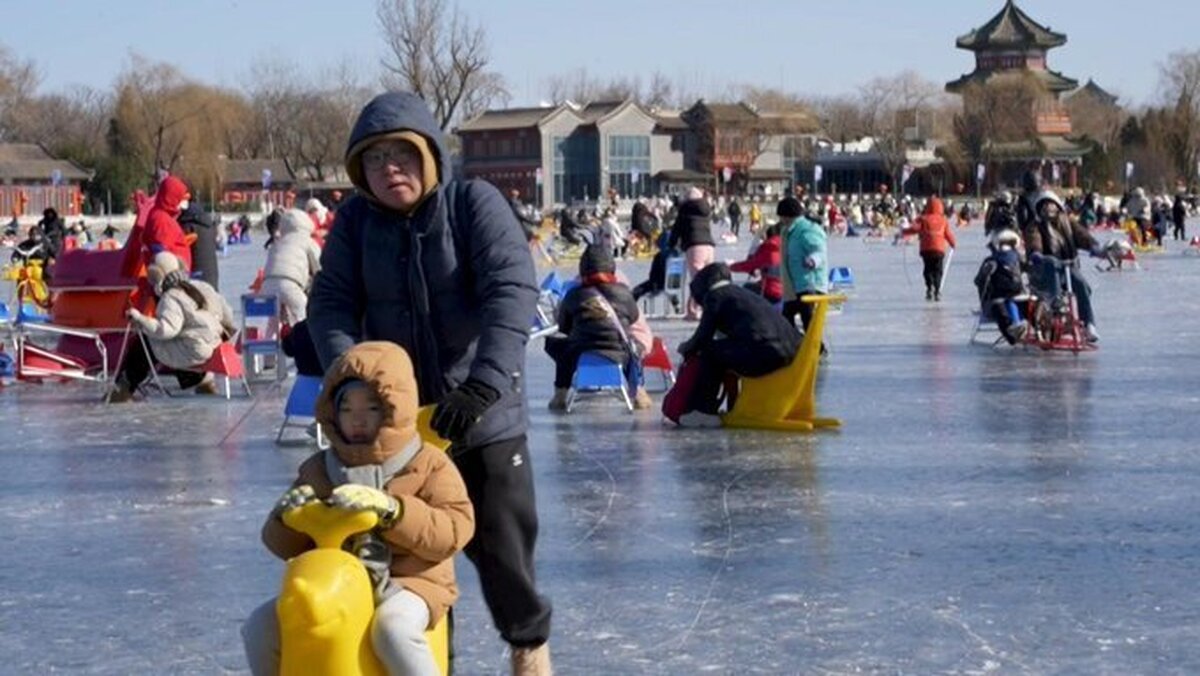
x: 462, y: 408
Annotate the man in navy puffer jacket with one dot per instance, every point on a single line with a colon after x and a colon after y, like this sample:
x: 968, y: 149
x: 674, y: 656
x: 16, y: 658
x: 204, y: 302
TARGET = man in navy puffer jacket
x: 442, y: 269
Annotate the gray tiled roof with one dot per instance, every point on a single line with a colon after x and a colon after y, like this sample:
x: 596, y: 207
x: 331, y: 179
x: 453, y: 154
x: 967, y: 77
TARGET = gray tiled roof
x: 30, y: 161
x: 508, y: 118
x: 1010, y: 28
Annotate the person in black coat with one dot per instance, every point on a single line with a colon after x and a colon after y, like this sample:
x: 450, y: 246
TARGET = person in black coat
x: 593, y: 317
x: 1179, y: 218
x: 195, y: 221
x: 55, y: 230
x: 570, y: 229
x: 441, y: 268
x: 734, y: 210
x: 755, y: 340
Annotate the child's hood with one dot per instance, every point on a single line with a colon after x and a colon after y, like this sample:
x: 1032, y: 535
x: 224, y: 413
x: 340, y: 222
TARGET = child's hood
x: 387, y: 369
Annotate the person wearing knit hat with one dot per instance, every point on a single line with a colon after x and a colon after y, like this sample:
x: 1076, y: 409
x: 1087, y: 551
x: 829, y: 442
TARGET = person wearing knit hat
x: 190, y: 321
x: 594, y: 316
x: 441, y: 268
x: 804, y: 256
x: 377, y: 462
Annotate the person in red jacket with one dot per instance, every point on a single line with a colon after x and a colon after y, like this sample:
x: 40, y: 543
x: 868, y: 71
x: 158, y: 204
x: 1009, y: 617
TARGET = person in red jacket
x: 162, y: 231
x: 935, y: 235
x: 766, y: 260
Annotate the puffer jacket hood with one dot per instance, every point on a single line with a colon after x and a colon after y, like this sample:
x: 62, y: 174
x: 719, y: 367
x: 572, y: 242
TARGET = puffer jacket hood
x: 934, y: 207
x: 295, y: 221
x: 387, y: 369
x: 389, y: 114
x: 171, y: 193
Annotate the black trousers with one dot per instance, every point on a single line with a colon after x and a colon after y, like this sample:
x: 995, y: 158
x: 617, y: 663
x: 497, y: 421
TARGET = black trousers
x: 136, y: 368
x: 722, y: 357
x: 933, y: 269
x: 499, y: 479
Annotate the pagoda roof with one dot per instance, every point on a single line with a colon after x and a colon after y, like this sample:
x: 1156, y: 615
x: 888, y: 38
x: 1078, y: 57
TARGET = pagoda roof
x: 1096, y: 92
x: 1054, y: 80
x: 1011, y: 28
x: 1045, y: 147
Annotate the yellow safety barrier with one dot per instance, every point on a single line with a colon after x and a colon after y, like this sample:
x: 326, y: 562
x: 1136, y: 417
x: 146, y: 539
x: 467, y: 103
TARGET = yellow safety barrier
x: 786, y: 399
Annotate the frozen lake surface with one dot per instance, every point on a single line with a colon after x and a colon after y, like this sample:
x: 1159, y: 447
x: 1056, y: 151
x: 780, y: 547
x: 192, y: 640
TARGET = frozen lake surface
x: 981, y: 511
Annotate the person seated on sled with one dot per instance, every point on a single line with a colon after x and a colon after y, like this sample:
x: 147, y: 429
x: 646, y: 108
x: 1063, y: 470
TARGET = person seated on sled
x: 766, y: 261
x: 1116, y: 252
x: 656, y: 282
x: 999, y: 282
x: 190, y: 322
x: 33, y: 248
x: 377, y: 462
x: 570, y: 229
x: 739, y: 332
x: 1000, y: 214
x: 595, y: 316
x: 1053, y: 236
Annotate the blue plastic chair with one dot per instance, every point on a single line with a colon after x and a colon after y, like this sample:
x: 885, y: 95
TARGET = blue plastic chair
x: 264, y: 312
x: 596, y: 373
x: 7, y: 368
x: 5, y: 315
x: 841, y: 278
x: 302, y: 403
x: 551, y: 293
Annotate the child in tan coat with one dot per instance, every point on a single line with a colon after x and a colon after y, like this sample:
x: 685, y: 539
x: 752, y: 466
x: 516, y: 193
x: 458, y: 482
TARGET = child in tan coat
x: 368, y: 409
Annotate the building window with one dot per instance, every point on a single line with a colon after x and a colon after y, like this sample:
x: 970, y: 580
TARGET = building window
x: 629, y: 165
x: 575, y: 177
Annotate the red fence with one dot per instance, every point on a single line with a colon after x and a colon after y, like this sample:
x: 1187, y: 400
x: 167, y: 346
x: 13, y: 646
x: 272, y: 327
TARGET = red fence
x: 37, y: 198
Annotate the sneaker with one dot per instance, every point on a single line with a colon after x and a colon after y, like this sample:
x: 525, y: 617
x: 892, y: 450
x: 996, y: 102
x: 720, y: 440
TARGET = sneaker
x: 642, y: 400
x: 1092, y: 335
x: 559, y: 401
x: 700, y: 420
x: 531, y: 661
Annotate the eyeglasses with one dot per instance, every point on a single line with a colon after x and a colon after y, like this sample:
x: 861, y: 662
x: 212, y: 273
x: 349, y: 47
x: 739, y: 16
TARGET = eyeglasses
x: 403, y: 157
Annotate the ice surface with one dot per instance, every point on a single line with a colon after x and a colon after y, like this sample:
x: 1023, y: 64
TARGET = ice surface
x: 981, y: 511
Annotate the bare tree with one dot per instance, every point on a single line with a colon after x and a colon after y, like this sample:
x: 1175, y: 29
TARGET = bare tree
x: 1179, y: 86
x: 996, y: 112
x: 892, y: 109
x: 438, y: 55
x: 18, y: 83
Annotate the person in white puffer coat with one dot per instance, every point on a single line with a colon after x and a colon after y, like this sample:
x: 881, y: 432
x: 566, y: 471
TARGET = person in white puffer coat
x: 190, y: 321
x: 292, y: 263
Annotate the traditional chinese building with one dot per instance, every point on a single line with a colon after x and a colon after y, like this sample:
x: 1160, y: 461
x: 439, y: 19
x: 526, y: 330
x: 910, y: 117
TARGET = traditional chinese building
x: 1012, y: 45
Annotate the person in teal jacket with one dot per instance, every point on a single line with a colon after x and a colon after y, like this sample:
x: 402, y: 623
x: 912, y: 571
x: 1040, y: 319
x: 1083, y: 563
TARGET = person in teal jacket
x: 805, y: 260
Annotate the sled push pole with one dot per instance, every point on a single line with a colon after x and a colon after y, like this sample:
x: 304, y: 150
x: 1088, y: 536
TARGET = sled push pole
x: 786, y: 399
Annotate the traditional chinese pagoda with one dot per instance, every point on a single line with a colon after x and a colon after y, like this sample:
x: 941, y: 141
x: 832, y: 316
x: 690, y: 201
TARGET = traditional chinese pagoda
x: 1014, y: 44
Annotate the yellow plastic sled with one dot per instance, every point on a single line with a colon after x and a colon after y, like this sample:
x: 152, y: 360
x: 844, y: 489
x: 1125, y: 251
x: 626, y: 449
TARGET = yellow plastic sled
x: 326, y: 605
x: 786, y: 399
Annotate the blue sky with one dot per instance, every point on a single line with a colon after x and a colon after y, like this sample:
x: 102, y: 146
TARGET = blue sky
x: 817, y: 47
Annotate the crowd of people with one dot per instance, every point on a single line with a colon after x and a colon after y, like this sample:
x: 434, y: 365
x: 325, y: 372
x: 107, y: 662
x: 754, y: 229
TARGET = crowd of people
x: 418, y: 291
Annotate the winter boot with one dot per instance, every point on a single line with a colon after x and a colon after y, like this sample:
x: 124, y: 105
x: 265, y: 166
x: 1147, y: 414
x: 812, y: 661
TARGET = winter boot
x: 120, y: 393
x: 559, y: 401
x: 937, y: 296
x: 642, y: 400
x: 531, y: 661
x: 208, y: 385
x: 928, y: 293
